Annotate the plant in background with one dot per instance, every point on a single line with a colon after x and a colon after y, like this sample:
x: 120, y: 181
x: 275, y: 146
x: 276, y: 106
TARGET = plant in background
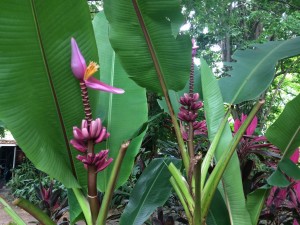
x: 52, y: 201
x: 283, y: 204
x: 26, y: 177
x: 255, y: 152
x: 145, y: 45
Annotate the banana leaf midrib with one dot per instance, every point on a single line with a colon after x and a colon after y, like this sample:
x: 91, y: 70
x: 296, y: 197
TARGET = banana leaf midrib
x: 52, y: 88
x: 152, y: 52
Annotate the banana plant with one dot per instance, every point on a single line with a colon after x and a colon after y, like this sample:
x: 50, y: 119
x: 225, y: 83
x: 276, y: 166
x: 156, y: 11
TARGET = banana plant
x: 140, y: 48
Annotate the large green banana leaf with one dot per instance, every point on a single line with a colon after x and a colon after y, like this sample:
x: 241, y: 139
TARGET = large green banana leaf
x: 152, y: 190
x: 254, y: 69
x: 285, y: 134
x: 124, y: 114
x: 143, y: 36
x: 40, y: 99
x: 231, y: 180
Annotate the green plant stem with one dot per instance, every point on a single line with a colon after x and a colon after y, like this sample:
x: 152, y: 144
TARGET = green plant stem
x: 183, y: 187
x: 190, y: 141
x: 215, y: 177
x: 190, y: 144
x: 111, y: 185
x: 16, y: 218
x: 212, y: 148
x: 92, y: 186
x: 84, y: 205
x: 197, y: 175
x: 181, y: 145
x: 34, y: 211
x: 182, y: 199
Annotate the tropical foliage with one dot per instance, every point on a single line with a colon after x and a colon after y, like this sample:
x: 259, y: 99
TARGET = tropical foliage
x: 45, y: 50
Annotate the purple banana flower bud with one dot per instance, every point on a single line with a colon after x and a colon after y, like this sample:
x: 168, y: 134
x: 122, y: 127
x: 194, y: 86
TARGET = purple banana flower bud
x: 84, y: 73
x: 80, y: 146
x: 196, y: 105
x: 95, y: 132
x: 99, y: 160
x: 194, y: 47
x: 78, y: 64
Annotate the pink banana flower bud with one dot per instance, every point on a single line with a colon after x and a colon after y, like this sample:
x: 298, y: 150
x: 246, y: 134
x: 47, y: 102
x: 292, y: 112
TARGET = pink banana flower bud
x: 99, y: 160
x: 95, y: 132
x: 84, y: 73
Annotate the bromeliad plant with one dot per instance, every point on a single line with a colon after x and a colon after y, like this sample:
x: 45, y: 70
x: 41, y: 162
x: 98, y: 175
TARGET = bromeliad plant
x: 139, y: 40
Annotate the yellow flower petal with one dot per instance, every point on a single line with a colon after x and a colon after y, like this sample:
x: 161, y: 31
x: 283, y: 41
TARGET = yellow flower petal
x: 90, y: 70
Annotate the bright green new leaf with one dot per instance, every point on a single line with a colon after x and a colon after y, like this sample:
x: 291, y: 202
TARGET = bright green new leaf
x: 40, y: 98
x: 9, y: 210
x: 142, y: 35
x: 255, y: 203
x: 215, y: 112
x: 124, y: 114
x: 254, y: 69
x: 151, y: 191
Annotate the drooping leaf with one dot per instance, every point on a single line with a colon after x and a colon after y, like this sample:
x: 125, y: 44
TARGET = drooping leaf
x: 278, y: 179
x: 124, y: 114
x: 255, y: 203
x: 215, y: 112
x: 40, y: 98
x: 285, y: 132
x: 289, y: 168
x: 254, y: 69
x: 142, y: 34
x: 151, y: 191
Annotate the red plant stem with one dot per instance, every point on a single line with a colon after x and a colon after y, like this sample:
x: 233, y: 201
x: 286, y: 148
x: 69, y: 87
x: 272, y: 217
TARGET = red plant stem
x: 92, y: 186
x: 191, y: 85
x: 92, y: 175
x: 86, y: 102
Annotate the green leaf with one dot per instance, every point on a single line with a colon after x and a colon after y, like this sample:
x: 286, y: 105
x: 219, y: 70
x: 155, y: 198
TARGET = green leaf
x: 289, y: 168
x: 215, y: 112
x: 75, y: 210
x: 285, y: 134
x: 218, y: 214
x: 254, y: 69
x: 285, y: 131
x: 9, y: 210
x: 151, y: 191
x: 255, y: 203
x: 142, y: 34
x: 278, y: 179
x: 124, y: 114
x: 40, y: 98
